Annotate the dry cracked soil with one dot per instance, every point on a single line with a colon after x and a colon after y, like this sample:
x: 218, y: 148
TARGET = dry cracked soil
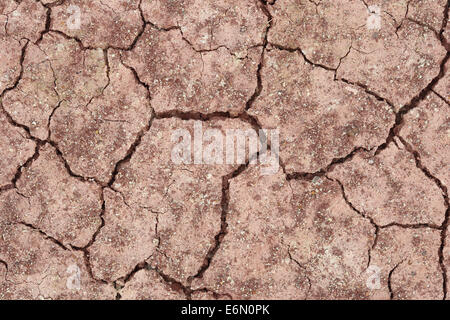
x: 93, y: 207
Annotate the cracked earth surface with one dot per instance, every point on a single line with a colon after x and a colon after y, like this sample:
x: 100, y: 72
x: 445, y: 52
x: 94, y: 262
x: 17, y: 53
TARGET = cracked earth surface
x: 92, y: 207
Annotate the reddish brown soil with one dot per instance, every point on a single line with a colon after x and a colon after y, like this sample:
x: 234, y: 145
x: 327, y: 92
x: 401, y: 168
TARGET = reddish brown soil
x: 92, y: 207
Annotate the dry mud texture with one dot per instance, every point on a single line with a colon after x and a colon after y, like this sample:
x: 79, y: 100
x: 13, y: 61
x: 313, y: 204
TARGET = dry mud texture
x: 91, y: 207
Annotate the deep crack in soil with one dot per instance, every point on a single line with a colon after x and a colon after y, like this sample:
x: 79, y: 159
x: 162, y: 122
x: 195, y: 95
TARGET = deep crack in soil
x: 268, y: 36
